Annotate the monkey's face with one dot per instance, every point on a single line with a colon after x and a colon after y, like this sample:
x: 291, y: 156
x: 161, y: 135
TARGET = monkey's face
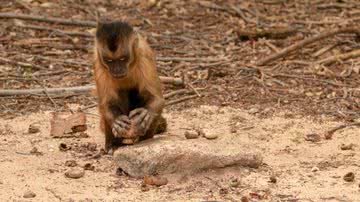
x: 117, y: 66
x: 114, y: 44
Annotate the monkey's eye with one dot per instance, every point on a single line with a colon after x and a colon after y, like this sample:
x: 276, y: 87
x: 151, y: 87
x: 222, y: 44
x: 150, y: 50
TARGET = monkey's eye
x: 122, y: 59
x: 109, y: 60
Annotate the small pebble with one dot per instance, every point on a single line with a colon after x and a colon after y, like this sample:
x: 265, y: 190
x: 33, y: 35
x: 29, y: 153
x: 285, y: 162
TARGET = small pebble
x: 315, y: 169
x: 191, y: 134
x: 346, y: 146
x: 35, y: 151
x: 234, y: 182
x: 34, y: 128
x: 253, y: 110
x: 210, y: 136
x: 70, y: 163
x: 273, y: 179
x: 144, y: 187
x: 244, y: 199
x: 155, y: 180
x: 223, y: 191
x: 29, y: 194
x: 63, y: 147
x: 75, y: 173
x: 349, y: 177
x: 313, y: 137
x: 89, y: 166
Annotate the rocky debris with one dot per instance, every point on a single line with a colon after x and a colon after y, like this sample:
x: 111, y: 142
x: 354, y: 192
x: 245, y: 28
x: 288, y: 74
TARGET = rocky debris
x: 166, y: 156
x: 70, y: 163
x: 314, y: 169
x: 155, y: 180
x: 75, y: 173
x: 34, y: 128
x: 191, y: 134
x: 29, y: 194
x: 346, y: 146
x: 210, y: 136
x: 234, y: 182
x: 89, y: 166
x: 349, y: 177
x: 313, y: 137
x: 35, y: 151
x: 273, y: 179
x: 65, y: 125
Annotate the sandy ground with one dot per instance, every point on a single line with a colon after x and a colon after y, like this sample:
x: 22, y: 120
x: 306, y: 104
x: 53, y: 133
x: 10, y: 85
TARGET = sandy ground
x: 304, y: 170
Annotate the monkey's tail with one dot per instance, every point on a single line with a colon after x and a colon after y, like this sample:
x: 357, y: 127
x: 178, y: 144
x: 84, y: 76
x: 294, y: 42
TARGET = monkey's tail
x: 162, y: 125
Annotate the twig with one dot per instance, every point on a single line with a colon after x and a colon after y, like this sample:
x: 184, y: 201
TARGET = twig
x: 305, y: 42
x: 345, y: 56
x: 181, y: 100
x: 40, y: 18
x: 325, y: 49
x: 194, y: 89
x: 273, y: 33
x: 176, y: 92
x: 188, y: 59
x: 76, y: 89
x: 328, y: 135
x: 46, y: 92
x: 65, y: 90
x: 22, y: 64
x: 56, y: 31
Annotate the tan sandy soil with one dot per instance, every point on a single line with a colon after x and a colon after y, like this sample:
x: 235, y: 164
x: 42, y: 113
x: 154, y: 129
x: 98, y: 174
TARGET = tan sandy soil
x: 287, y: 156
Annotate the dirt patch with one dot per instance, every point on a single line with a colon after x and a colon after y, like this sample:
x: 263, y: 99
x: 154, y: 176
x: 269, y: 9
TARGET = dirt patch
x: 293, y: 168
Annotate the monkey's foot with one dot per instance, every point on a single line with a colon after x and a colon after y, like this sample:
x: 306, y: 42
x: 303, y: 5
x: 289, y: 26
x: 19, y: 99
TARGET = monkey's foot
x: 120, y: 126
x: 130, y: 141
x: 143, y: 119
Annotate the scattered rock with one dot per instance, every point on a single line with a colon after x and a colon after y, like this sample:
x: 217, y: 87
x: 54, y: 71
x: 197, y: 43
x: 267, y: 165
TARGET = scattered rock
x: 91, y: 146
x: 253, y: 110
x: 29, y: 194
x: 234, y: 183
x: 313, y: 137
x: 273, y: 179
x: 89, y: 166
x: 75, y: 173
x: 64, y: 147
x: 165, y: 156
x: 144, y: 187
x: 223, y: 191
x: 34, y: 128
x: 35, y: 151
x: 155, y: 180
x: 70, y: 163
x: 315, y: 169
x: 67, y: 125
x: 244, y: 199
x: 349, y: 177
x: 347, y: 146
x: 191, y: 134
x: 210, y: 136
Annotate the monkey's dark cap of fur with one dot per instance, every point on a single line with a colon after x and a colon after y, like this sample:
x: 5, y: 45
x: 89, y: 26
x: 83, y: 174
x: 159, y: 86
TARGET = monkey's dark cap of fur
x: 111, y: 32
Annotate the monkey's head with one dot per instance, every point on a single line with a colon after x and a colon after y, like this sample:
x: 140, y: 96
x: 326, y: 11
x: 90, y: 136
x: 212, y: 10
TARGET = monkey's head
x: 115, y: 42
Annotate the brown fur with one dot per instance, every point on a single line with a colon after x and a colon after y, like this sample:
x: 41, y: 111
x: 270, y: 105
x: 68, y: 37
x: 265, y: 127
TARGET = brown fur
x: 115, y: 94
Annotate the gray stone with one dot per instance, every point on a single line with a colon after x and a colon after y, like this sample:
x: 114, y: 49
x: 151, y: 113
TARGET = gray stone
x: 168, y: 156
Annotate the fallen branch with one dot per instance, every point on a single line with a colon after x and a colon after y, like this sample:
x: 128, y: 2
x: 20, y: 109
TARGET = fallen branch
x: 55, y: 31
x: 306, y: 42
x: 345, y: 56
x: 181, y: 100
x: 73, y: 90
x: 40, y: 18
x: 328, y: 135
x: 22, y: 64
x: 273, y: 33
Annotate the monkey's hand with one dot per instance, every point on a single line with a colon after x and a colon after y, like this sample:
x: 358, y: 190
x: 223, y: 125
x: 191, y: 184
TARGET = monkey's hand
x: 120, y: 126
x: 143, y: 119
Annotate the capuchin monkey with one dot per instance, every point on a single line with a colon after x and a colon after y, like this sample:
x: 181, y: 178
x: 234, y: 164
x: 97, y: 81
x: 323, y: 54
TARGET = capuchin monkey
x: 128, y: 87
